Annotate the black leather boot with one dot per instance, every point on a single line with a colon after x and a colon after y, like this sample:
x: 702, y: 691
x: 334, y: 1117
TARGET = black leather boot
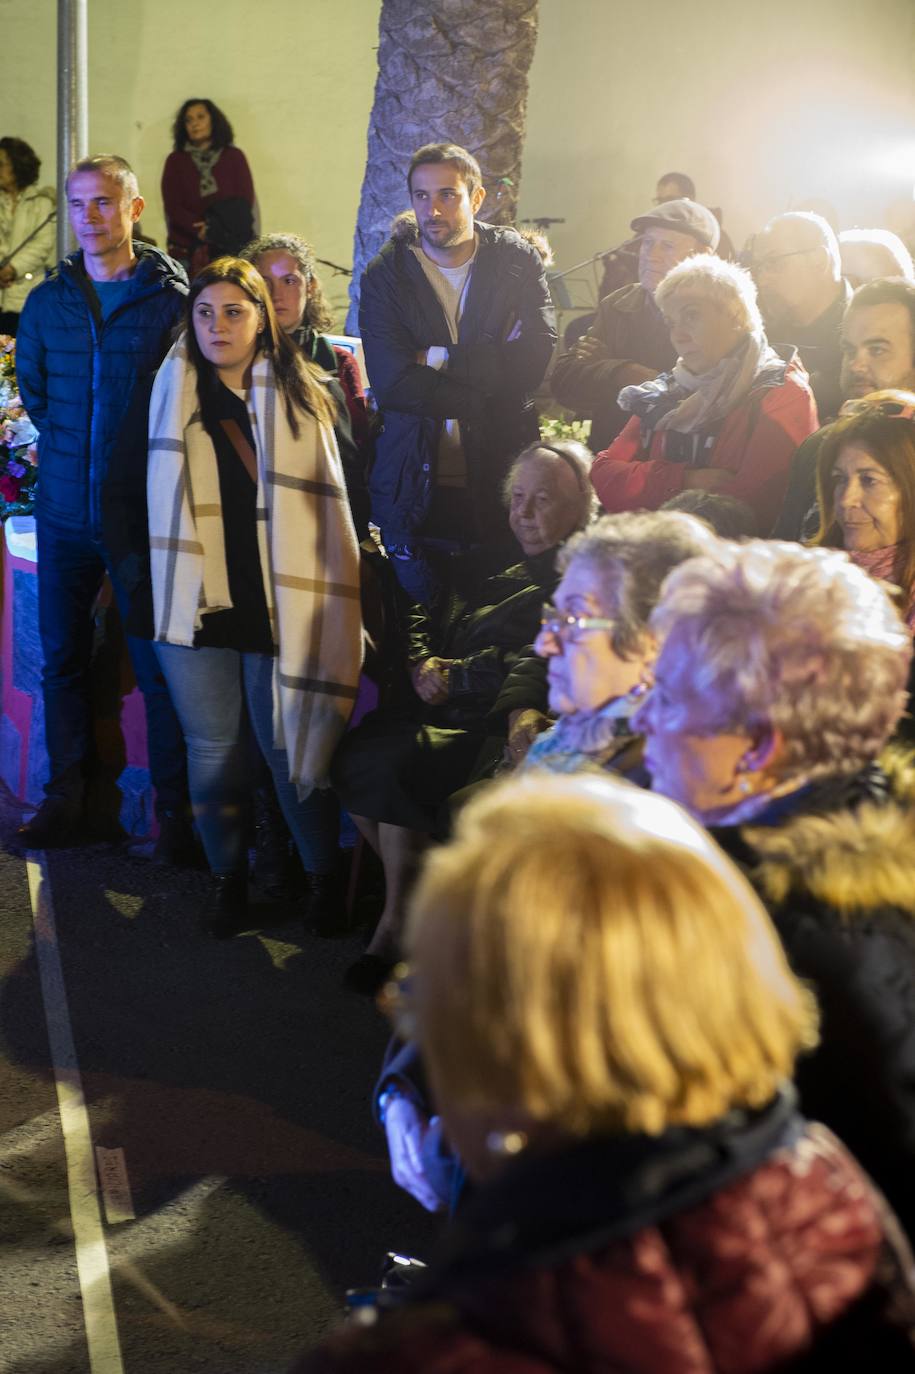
x: 227, y: 913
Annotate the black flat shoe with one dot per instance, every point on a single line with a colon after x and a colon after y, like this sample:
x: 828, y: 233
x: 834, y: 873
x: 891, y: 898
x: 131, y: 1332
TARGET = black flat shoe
x: 54, y: 825
x: 227, y: 913
x: 368, y: 974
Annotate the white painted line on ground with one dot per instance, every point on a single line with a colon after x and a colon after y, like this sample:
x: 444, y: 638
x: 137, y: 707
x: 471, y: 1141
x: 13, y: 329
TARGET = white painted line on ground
x: 89, y: 1237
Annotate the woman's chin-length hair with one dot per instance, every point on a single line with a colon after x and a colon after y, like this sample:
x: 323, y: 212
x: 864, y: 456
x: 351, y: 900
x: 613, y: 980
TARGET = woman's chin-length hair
x: 766, y: 634
x: 583, y: 954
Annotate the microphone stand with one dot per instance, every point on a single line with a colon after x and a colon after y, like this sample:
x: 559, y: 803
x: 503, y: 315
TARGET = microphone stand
x: 19, y: 246
x: 340, y: 271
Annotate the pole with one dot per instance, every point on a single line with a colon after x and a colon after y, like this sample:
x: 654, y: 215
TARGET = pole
x: 72, y: 105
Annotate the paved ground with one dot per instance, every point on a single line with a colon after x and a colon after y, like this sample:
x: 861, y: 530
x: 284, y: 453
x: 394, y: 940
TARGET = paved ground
x: 235, y: 1077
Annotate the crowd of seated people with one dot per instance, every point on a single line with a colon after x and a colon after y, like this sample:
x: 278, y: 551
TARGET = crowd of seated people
x: 557, y: 1037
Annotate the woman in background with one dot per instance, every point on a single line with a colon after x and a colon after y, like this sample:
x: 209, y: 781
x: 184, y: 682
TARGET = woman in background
x: 27, y: 229
x: 866, y: 489
x: 207, y: 189
x: 287, y: 264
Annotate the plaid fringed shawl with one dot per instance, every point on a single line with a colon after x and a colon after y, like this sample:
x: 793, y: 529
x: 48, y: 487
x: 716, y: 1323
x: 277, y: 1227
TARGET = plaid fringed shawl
x: 308, y: 552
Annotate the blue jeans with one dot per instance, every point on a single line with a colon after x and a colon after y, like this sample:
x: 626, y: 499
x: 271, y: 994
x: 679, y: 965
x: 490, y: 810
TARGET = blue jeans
x: 210, y: 689
x: 71, y: 566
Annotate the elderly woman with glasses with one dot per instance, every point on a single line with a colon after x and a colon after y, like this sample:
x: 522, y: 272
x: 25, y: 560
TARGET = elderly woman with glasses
x: 780, y: 679
x: 596, y: 639
x: 866, y: 489
x: 727, y: 418
x: 609, y: 1026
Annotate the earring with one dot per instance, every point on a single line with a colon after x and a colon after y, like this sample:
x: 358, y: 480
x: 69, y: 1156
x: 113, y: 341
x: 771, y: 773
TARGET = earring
x: 744, y: 785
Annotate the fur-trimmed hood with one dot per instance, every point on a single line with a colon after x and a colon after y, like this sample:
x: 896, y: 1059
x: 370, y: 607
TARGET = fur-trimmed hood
x: 853, y: 855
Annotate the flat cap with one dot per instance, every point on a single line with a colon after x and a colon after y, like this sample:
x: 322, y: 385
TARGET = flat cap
x: 686, y: 217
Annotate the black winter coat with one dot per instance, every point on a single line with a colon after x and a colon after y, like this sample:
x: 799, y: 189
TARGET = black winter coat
x: 482, y: 626
x: 835, y: 865
x: 77, y: 373
x: 485, y: 385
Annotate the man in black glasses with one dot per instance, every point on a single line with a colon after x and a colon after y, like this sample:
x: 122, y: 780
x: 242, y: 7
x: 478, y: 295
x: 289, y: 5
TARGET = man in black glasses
x: 798, y: 269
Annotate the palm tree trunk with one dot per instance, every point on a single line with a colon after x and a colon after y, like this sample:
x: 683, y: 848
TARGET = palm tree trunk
x: 449, y: 71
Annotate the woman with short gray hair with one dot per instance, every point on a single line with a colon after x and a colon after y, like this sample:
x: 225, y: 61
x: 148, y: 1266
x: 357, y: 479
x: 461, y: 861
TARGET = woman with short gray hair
x: 780, y: 680
x: 597, y: 641
x: 727, y: 418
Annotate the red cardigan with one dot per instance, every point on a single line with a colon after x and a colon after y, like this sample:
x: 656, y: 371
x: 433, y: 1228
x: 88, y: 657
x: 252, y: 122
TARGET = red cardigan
x: 756, y: 443
x: 184, y: 205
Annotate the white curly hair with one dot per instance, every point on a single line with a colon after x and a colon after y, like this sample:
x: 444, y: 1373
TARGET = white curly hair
x: 770, y: 634
x: 728, y: 286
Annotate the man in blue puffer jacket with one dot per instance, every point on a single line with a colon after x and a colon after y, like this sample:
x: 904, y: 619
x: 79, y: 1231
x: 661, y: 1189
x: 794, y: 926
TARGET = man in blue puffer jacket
x: 100, y: 321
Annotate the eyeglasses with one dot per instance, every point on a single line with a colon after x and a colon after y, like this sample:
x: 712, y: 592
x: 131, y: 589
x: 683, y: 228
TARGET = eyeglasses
x: 773, y: 262
x: 894, y: 410
x: 570, y: 628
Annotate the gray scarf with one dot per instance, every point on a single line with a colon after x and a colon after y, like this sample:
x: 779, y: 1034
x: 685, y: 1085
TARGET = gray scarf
x: 689, y: 403
x: 205, y: 159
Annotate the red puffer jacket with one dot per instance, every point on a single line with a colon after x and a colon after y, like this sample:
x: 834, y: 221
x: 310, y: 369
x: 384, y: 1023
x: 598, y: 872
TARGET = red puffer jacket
x: 754, y: 443
x: 785, y: 1268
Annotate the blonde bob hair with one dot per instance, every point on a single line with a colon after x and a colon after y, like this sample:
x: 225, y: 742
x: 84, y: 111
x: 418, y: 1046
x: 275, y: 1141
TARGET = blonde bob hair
x: 729, y: 287
x: 584, y: 955
x: 769, y: 635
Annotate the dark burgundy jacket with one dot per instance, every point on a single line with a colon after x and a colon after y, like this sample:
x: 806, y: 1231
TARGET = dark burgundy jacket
x: 185, y: 206
x: 611, y: 1258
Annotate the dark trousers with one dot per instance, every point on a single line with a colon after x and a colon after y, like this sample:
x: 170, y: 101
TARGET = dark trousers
x: 71, y: 566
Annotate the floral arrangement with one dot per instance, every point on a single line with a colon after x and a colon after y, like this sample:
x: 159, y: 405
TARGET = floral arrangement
x: 18, y: 454
x: 552, y: 427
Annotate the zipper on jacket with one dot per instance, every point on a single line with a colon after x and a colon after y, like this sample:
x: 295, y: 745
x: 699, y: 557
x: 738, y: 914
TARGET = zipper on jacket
x: 82, y: 281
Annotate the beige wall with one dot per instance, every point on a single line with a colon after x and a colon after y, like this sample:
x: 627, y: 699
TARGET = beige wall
x: 763, y: 103
x: 296, y: 78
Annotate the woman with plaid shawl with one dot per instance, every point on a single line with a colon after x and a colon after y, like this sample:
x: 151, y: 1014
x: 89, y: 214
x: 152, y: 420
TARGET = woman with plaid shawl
x: 241, y: 562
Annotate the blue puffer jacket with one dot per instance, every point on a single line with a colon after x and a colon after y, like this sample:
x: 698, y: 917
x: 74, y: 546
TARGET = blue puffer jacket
x: 77, y: 372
